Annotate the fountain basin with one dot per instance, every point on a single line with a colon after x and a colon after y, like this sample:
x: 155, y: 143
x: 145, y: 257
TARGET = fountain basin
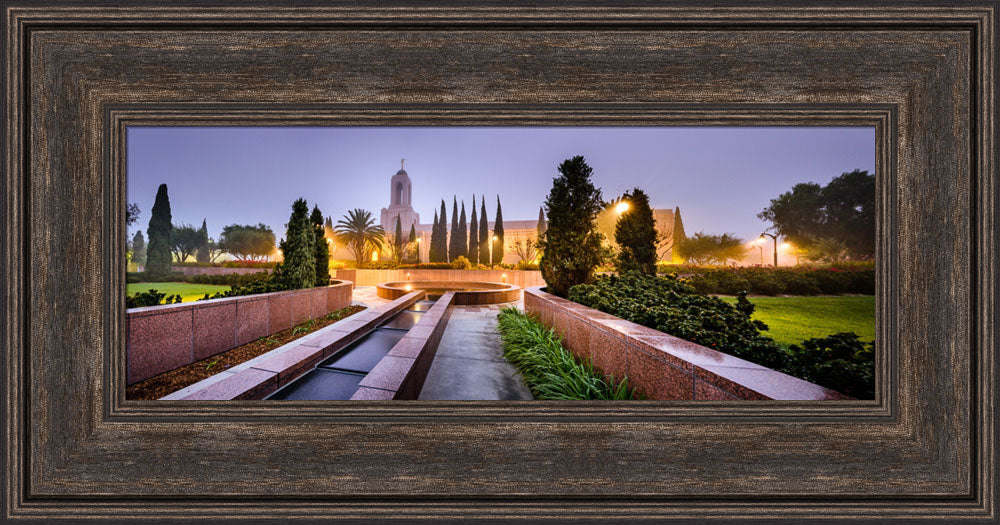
x: 466, y: 292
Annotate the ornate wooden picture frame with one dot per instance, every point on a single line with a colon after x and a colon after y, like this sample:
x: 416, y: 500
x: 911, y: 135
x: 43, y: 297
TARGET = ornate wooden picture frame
x: 77, y: 74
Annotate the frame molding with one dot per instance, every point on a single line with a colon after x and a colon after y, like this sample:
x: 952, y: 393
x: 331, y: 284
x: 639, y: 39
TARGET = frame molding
x: 76, y: 76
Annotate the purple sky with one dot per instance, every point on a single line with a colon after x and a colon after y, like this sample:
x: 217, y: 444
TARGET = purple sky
x: 720, y: 177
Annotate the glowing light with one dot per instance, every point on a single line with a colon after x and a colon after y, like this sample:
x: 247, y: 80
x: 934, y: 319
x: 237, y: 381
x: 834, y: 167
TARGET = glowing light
x: 407, y: 276
x: 495, y: 238
x: 374, y: 256
x: 786, y: 246
x: 504, y: 278
x: 408, y: 287
x: 621, y: 207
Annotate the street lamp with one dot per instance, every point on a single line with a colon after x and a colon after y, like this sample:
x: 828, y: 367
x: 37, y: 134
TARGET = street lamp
x: 759, y: 243
x: 775, y: 239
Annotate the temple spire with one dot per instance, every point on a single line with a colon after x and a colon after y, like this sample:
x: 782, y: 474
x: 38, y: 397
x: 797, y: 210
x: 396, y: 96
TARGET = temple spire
x: 401, y: 163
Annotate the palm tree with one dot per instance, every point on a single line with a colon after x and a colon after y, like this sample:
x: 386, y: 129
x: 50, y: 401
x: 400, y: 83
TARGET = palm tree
x: 359, y: 232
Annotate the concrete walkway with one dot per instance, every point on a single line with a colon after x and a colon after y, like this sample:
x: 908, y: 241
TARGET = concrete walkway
x: 469, y: 363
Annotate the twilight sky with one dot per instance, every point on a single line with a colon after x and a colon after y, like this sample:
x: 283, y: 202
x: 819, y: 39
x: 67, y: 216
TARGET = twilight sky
x: 720, y: 177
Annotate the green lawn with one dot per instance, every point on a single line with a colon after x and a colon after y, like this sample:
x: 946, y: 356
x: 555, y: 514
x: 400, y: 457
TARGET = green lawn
x: 793, y: 319
x: 187, y: 291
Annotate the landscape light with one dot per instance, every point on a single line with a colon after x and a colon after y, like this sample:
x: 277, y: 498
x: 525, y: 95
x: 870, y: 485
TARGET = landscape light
x: 504, y: 278
x: 621, y: 207
x: 407, y: 276
x: 408, y: 288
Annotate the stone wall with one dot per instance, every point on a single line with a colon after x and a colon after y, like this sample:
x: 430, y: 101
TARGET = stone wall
x: 162, y: 338
x: 522, y: 278
x: 660, y: 365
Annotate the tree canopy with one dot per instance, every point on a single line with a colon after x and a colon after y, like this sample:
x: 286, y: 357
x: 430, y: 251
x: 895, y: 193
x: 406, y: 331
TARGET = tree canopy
x: 498, y: 242
x: 247, y: 242
x: 321, y: 248
x: 474, y: 234
x: 703, y: 248
x: 160, y: 224
x: 359, y: 232
x: 298, y: 269
x: 184, y: 241
x: 816, y: 218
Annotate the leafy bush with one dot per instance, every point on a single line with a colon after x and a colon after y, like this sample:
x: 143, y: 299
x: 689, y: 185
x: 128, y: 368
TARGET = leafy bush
x: 527, y: 266
x: 229, y: 279
x: 461, y: 263
x: 150, y: 298
x: 840, y: 359
x: 835, y: 279
x: 672, y: 305
x: 551, y: 371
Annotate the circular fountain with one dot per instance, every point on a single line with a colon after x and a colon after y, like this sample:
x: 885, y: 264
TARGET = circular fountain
x: 466, y: 292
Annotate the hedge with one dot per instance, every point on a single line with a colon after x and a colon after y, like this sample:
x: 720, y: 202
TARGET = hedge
x: 767, y: 280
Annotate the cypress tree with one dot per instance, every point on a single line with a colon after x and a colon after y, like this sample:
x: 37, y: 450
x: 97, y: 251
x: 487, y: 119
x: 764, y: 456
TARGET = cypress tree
x: 635, y: 233
x: 484, y: 234
x: 541, y: 222
x: 677, y: 235
x: 397, y: 241
x: 571, y: 248
x: 443, y: 238
x: 454, y: 246
x: 202, y: 255
x: 432, y: 253
x: 321, y: 250
x: 298, y: 270
x: 138, y: 248
x: 463, y: 235
x: 498, y: 233
x: 412, y: 243
x: 158, y: 255
x: 474, y: 235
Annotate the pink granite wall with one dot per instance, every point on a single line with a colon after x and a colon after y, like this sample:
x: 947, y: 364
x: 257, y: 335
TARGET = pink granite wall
x: 162, y: 338
x: 660, y: 365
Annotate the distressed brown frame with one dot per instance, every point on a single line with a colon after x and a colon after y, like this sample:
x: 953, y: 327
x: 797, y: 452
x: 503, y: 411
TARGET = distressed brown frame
x: 76, y: 75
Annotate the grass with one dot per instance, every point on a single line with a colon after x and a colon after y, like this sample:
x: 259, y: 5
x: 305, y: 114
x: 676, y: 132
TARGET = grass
x: 792, y: 320
x: 188, y: 291
x: 551, y: 371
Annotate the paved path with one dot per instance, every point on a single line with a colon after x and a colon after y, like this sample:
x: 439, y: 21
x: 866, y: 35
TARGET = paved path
x: 367, y: 296
x: 469, y: 363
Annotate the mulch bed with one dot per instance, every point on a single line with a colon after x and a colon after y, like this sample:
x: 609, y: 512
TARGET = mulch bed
x: 168, y: 382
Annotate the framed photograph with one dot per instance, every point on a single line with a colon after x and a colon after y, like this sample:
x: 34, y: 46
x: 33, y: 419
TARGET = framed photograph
x: 704, y: 263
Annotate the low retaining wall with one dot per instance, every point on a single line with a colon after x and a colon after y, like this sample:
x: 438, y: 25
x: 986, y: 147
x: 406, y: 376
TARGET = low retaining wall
x: 401, y: 374
x: 522, y: 278
x: 660, y: 365
x: 264, y: 374
x: 490, y: 293
x: 216, y: 270
x: 162, y: 338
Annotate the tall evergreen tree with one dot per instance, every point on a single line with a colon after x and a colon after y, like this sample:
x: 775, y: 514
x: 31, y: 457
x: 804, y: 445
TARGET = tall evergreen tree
x: 413, y: 245
x: 484, y: 234
x: 498, y: 245
x: 433, y: 254
x: 571, y: 248
x: 158, y: 254
x: 397, y: 242
x: 541, y: 222
x: 474, y: 235
x: 454, y: 248
x: 203, y: 251
x: 443, y: 249
x: 298, y: 269
x: 321, y: 249
x: 635, y: 233
x: 677, y: 235
x: 463, y: 235
x: 138, y: 248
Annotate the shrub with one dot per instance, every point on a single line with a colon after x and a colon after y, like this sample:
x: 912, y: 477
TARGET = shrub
x: 767, y: 280
x: 840, y: 359
x: 461, y: 263
x: 229, y: 279
x: 551, y: 371
x: 672, y: 305
x: 150, y: 298
x: 527, y: 265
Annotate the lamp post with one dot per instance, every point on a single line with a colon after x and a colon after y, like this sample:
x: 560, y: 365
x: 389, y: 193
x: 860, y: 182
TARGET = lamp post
x: 775, y: 239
